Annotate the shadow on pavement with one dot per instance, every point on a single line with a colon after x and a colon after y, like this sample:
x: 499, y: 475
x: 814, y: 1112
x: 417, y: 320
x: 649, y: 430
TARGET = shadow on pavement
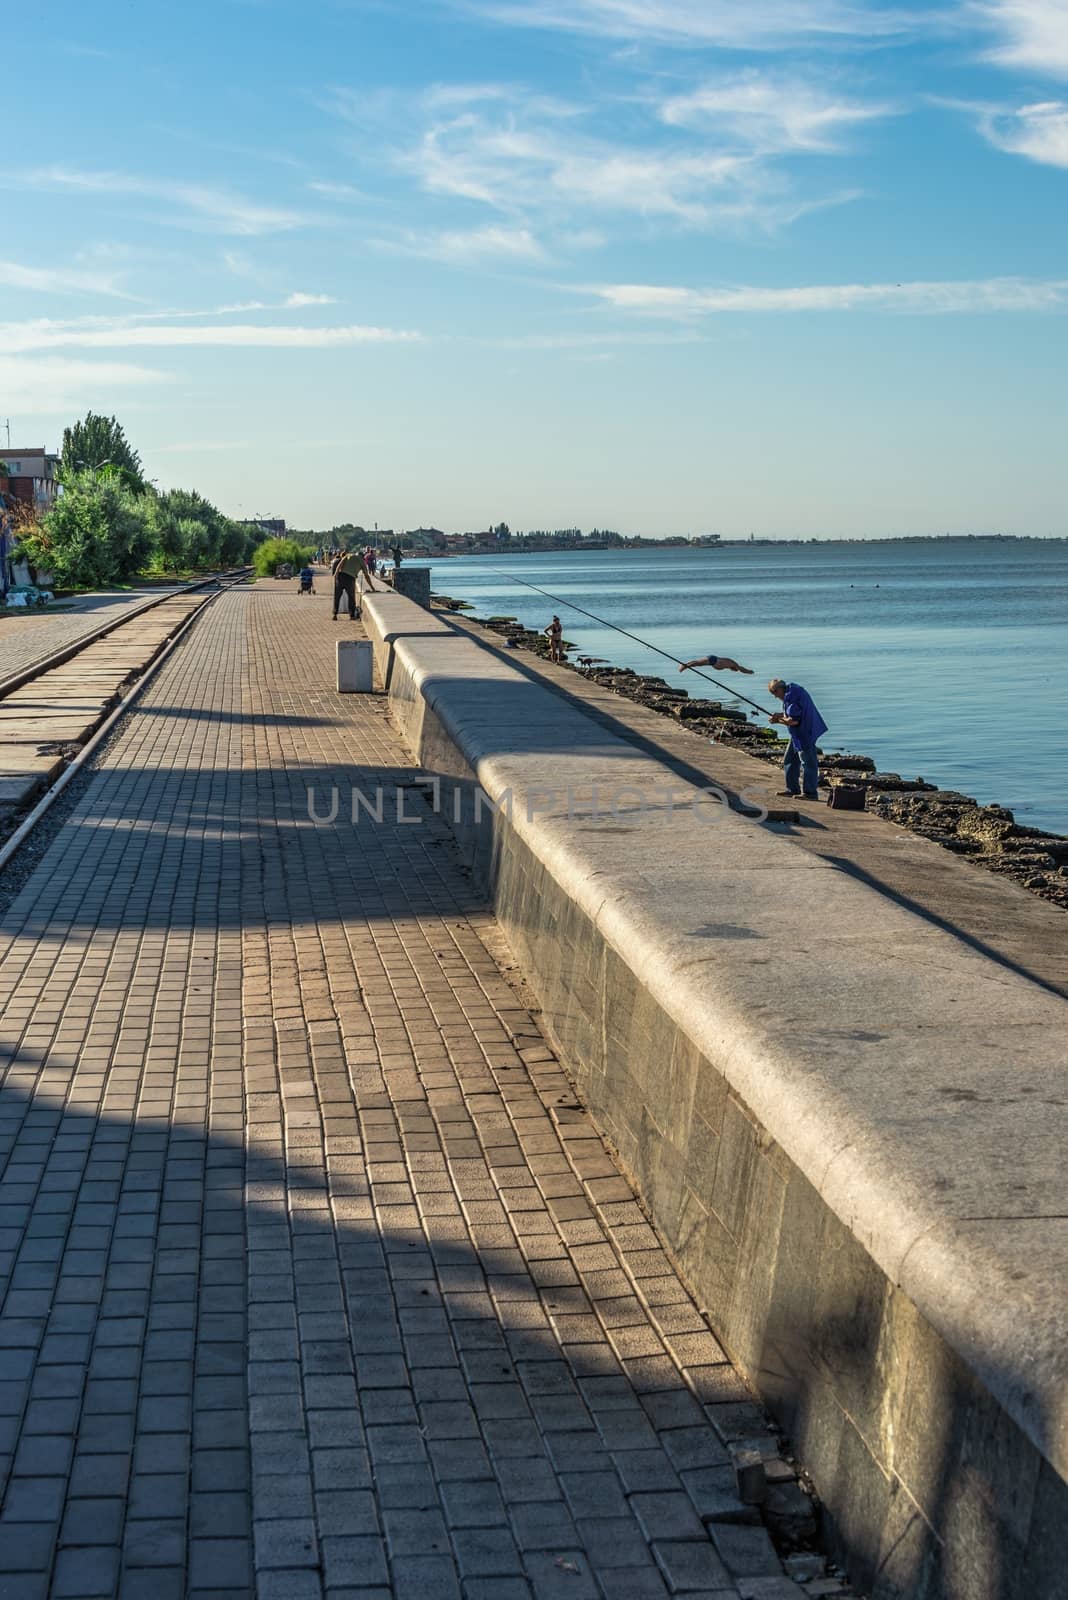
x: 321, y: 1359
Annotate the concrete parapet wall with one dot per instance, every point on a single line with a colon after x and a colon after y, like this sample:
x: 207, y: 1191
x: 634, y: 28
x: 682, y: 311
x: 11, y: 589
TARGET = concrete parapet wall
x: 847, y: 1124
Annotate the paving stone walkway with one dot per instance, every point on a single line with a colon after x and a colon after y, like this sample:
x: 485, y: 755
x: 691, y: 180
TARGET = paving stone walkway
x: 317, y: 1279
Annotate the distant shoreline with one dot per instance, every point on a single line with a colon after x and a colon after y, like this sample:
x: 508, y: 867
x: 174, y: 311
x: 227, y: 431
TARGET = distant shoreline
x: 517, y: 546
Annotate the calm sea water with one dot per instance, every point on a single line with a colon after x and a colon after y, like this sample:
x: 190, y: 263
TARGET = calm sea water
x: 946, y: 661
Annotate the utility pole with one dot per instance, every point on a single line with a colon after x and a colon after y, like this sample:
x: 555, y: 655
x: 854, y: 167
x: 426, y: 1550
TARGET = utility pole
x: 7, y: 425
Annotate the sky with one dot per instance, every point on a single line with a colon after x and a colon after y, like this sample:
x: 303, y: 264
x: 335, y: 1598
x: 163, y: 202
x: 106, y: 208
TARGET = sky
x: 791, y: 267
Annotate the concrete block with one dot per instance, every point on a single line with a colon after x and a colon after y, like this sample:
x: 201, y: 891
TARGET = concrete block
x: 691, y: 1565
x: 750, y: 1480
x: 790, y: 1513
x: 779, y: 1588
x: 804, y: 1566
x: 355, y: 666
x: 713, y: 1491
x: 747, y: 1551
x: 413, y: 583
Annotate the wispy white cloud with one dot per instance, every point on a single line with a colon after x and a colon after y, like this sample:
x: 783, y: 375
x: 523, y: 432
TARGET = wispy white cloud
x: 576, y: 342
x: 455, y: 97
x: 184, y: 204
x: 71, y: 48
x: 234, y: 308
x: 528, y: 168
x: 934, y: 298
x: 1032, y: 34
x: 770, y: 115
x: 296, y: 301
x: 53, y: 385
x: 60, y: 280
x: 467, y: 247
x: 1038, y: 132
x: 44, y: 334
x: 708, y: 159
x: 383, y: 108
x: 336, y: 191
x: 241, y: 265
x: 726, y: 24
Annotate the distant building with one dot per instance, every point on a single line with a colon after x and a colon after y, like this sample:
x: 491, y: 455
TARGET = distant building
x: 428, y: 538
x: 31, y: 478
x: 27, y: 489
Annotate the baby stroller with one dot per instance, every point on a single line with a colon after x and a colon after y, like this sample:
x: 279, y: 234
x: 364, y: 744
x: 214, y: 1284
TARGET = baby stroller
x: 307, y: 579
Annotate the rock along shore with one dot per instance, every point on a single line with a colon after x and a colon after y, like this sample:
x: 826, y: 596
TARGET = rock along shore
x: 988, y: 835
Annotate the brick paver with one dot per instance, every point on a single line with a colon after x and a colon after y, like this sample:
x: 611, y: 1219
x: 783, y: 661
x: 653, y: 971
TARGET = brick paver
x: 318, y: 1280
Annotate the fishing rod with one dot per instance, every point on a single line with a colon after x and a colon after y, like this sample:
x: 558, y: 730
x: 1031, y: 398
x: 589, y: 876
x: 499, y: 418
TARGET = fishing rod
x: 727, y: 689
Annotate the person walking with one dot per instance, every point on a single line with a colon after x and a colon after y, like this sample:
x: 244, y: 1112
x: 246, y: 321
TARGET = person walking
x: 721, y: 663
x: 802, y: 759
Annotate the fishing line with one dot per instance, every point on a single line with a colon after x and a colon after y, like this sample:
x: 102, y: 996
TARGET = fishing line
x: 727, y: 689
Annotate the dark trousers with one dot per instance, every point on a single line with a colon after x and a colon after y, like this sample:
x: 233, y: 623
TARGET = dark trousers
x: 345, y: 585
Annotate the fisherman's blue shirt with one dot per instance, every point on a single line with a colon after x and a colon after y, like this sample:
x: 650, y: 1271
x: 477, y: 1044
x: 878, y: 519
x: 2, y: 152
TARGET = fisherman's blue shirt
x: 797, y: 703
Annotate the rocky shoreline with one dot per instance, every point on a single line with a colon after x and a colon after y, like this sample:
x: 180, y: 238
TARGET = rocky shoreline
x: 989, y: 836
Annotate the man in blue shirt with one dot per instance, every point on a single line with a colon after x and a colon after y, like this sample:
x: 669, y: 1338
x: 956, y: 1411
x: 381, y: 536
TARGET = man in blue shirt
x: 806, y: 726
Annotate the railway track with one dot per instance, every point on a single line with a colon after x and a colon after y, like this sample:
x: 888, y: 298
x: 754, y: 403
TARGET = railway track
x: 55, y: 712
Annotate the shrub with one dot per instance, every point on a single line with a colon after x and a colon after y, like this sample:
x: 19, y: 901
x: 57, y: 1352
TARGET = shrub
x: 274, y: 553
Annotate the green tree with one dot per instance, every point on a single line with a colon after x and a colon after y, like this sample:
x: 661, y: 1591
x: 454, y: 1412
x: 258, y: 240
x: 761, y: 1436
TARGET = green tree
x: 344, y: 535
x: 188, y: 530
x: 99, y: 531
x: 236, y: 543
x: 99, y: 442
x: 191, y: 534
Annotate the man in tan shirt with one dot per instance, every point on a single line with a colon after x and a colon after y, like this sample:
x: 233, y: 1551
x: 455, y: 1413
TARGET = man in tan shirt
x: 346, y: 569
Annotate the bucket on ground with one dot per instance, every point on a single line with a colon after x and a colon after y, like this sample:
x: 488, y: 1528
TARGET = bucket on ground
x: 355, y: 666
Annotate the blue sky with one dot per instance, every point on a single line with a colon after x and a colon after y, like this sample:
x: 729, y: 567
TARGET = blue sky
x: 789, y: 266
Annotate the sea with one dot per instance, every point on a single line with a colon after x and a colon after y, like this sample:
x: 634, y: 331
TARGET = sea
x: 945, y: 660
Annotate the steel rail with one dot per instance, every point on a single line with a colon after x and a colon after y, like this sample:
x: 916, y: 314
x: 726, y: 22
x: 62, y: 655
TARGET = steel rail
x: 51, y: 794
x: 67, y: 652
